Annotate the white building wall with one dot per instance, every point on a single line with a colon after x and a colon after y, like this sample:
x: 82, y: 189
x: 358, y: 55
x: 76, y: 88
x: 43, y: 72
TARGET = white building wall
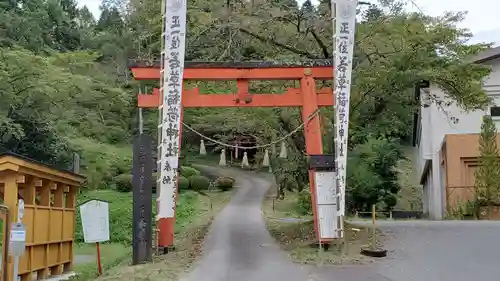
x: 492, y: 86
x: 437, y: 122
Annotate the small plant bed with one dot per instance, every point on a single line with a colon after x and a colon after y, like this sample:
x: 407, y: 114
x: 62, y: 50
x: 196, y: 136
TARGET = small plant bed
x: 194, y: 215
x: 294, y: 230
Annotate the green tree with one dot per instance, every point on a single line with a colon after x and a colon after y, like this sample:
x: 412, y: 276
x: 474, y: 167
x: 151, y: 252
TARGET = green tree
x: 371, y: 174
x: 488, y: 171
x: 67, y: 74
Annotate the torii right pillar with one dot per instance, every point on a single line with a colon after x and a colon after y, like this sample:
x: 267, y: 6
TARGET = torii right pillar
x: 312, y: 134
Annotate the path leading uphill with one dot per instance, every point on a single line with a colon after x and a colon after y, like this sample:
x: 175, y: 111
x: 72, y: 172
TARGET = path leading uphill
x: 238, y: 247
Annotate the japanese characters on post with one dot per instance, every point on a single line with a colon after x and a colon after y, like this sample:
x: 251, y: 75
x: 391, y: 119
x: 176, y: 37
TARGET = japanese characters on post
x: 345, y: 23
x: 171, y: 110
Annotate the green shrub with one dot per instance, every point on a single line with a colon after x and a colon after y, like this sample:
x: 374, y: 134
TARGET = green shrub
x: 101, y: 163
x: 199, y: 182
x: 123, y: 182
x: 304, y: 202
x: 183, y: 183
x: 291, y: 185
x: 224, y: 183
x: 390, y: 200
x: 188, y: 172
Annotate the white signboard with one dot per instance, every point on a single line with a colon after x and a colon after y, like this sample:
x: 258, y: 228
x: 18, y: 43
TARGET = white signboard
x: 327, y: 222
x: 345, y: 23
x: 325, y: 188
x: 95, y: 221
x: 326, y: 202
x: 171, y: 87
x: 18, y: 235
x: 17, y: 243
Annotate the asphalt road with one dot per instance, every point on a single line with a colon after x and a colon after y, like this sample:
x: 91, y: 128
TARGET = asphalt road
x: 430, y: 251
x: 239, y: 248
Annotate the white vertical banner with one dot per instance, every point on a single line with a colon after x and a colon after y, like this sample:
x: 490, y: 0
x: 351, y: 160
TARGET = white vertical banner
x: 344, y: 24
x: 172, y: 75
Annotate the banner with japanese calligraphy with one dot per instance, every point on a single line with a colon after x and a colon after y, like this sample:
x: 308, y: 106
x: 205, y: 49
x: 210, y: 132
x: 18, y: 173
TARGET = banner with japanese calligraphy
x: 173, y: 72
x: 345, y: 23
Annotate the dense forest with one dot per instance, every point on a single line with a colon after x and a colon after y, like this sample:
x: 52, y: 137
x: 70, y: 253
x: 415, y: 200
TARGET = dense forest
x: 65, y: 86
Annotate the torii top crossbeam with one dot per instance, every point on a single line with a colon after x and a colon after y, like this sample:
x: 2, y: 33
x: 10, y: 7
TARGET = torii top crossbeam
x: 250, y: 70
x: 241, y: 72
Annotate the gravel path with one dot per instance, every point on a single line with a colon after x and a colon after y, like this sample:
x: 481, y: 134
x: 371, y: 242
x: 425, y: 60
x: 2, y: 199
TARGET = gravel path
x: 238, y: 247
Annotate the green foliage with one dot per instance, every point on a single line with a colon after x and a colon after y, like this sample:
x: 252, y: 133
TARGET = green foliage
x: 186, y: 210
x: 102, y: 162
x: 371, y: 176
x: 199, y: 182
x: 183, y: 183
x: 225, y: 183
x: 291, y: 185
x: 123, y: 182
x: 488, y: 171
x: 464, y: 210
x: 188, y: 172
x: 304, y: 202
x: 390, y: 200
x: 65, y: 86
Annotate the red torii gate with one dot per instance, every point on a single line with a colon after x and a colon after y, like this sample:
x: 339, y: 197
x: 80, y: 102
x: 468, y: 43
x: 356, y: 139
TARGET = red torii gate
x: 307, y: 97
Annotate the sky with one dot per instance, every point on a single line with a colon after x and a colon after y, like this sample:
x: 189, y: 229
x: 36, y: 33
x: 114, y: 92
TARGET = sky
x: 482, y: 18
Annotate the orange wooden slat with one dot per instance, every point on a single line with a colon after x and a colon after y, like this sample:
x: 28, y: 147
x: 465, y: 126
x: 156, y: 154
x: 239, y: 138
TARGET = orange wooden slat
x: 320, y: 73
x: 192, y: 98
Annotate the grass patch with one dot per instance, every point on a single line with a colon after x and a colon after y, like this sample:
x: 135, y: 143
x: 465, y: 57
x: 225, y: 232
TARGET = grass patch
x: 194, y: 216
x: 297, y: 236
x: 194, y: 157
x: 111, y: 255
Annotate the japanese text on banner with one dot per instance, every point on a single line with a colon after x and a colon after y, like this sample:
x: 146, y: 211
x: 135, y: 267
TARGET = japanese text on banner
x: 175, y: 38
x: 345, y: 24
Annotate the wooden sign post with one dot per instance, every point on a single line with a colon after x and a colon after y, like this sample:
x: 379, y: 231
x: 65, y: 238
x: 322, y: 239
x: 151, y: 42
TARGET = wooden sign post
x: 142, y: 172
x: 95, y: 224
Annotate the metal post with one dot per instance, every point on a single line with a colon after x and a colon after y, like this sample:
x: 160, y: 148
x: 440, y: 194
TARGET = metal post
x: 141, y: 121
x: 374, y: 218
x: 6, y: 240
x: 20, y: 214
x: 76, y: 163
x: 16, y: 269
